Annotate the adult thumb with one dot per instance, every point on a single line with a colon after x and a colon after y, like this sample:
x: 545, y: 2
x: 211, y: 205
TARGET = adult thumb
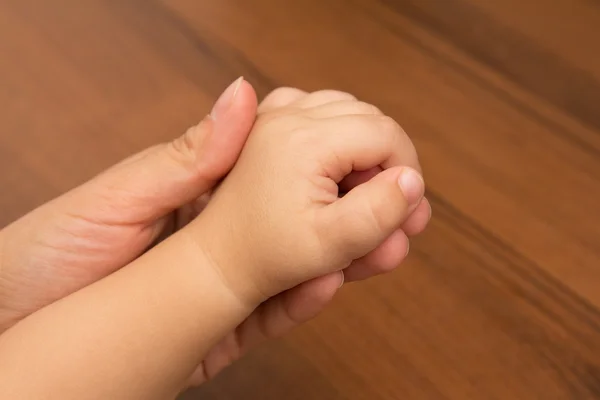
x: 369, y: 213
x: 160, y: 179
x: 97, y: 228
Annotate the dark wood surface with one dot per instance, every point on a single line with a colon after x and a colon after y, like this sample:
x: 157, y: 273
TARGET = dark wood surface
x: 499, y: 298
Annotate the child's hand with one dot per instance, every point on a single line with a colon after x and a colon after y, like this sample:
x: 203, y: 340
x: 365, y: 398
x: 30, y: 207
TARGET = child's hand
x: 277, y: 220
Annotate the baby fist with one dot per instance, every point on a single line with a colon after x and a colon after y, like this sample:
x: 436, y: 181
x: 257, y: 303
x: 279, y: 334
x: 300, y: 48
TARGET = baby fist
x: 278, y: 219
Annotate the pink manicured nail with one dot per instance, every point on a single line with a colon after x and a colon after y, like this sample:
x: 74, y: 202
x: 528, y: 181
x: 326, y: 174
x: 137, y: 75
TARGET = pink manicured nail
x: 226, y: 99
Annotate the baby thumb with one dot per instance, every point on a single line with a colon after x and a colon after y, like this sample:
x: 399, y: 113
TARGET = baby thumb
x: 368, y: 214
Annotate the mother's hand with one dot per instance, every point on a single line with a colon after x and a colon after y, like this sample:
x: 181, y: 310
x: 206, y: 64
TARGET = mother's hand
x: 101, y: 226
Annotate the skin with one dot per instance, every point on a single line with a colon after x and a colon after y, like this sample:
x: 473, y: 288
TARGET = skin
x: 196, y: 312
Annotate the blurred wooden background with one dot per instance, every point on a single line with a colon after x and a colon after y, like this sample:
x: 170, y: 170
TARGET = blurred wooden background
x: 498, y: 300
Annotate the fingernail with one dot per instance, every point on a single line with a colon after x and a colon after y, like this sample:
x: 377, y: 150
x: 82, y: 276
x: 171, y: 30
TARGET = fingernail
x: 226, y: 99
x: 342, y: 281
x: 407, y: 249
x: 412, y: 185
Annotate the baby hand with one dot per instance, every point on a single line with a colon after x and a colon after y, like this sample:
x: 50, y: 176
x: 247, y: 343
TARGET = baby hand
x: 278, y: 219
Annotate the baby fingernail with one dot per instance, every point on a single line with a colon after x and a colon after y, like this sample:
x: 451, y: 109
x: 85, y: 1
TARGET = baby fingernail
x: 226, y: 99
x: 412, y: 185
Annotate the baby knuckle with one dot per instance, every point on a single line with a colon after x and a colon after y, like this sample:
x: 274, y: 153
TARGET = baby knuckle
x: 280, y: 97
x: 389, y: 125
x: 367, y: 108
x: 392, y: 132
x: 375, y: 110
x: 334, y: 95
x: 268, y: 118
x: 284, y: 92
x: 304, y: 138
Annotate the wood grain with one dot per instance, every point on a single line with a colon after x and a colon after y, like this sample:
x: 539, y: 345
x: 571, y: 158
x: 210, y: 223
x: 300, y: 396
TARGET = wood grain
x: 500, y: 297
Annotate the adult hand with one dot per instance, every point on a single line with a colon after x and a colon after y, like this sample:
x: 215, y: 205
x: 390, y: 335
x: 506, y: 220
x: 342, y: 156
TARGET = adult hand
x: 101, y: 226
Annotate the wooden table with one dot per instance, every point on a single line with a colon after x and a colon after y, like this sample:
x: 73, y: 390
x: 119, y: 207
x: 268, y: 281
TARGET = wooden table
x: 498, y: 299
